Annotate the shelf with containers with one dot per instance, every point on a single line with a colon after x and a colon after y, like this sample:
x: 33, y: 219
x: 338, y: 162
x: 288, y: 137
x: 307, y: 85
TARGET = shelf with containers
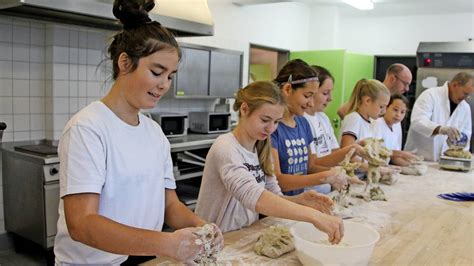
x: 188, y: 154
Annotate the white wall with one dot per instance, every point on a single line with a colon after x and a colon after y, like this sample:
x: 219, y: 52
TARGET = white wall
x: 324, y: 27
x: 401, y: 35
x: 296, y: 26
x: 281, y: 25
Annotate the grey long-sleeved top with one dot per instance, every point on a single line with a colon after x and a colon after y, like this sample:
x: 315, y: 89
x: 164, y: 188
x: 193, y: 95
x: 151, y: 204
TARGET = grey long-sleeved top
x: 232, y: 184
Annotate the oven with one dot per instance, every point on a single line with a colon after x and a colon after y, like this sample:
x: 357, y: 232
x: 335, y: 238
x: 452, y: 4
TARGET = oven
x: 31, y: 192
x: 172, y: 124
x: 209, y: 122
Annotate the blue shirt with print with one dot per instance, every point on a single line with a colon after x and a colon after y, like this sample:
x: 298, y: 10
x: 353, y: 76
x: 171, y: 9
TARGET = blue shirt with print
x: 293, y: 145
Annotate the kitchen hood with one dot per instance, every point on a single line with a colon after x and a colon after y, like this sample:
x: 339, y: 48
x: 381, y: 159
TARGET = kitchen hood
x: 185, y: 18
x: 445, y: 54
x: 446, y: 47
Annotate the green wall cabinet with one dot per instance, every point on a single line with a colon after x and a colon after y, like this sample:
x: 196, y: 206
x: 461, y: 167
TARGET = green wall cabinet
x: 346, y: 67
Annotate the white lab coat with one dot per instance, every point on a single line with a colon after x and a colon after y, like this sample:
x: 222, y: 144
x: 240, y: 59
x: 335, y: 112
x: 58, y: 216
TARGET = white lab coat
x: 431, y: 110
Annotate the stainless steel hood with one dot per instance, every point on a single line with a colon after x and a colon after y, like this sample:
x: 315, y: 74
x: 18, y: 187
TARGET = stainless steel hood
x: 445, y: 54
x: 98, y: 14
x: 446, y: 47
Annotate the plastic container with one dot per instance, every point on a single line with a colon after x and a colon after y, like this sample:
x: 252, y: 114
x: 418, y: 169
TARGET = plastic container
x: 461, y: 143
x: 356, y: 248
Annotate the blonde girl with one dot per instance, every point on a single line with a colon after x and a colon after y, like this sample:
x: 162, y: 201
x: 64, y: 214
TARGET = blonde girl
x: 367, y: 103
x: 239, y: 182
x: 293, y: 146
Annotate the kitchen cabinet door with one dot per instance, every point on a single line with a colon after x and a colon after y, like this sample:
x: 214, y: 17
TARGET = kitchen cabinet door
x: 192, y: 78
x: 226, y: 73
x: 171, y: 92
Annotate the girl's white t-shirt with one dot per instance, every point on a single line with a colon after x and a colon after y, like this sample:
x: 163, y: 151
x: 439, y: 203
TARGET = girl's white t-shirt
x: 355, y: 125
x: 392, y: 136
x: 323, y: 133
x: 129, y: 167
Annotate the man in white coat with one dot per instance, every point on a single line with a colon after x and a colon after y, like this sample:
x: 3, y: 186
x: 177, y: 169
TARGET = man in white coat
x: 440, y: 113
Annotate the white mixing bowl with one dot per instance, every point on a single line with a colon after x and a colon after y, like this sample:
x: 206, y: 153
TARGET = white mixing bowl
x: 356, y: 249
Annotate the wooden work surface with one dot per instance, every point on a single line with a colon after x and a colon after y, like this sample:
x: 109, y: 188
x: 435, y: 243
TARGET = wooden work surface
x: 416, y: 227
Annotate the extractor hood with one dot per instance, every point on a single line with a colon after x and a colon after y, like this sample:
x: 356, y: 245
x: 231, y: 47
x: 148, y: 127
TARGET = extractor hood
x: 183, y: 17
x: 445, y: 54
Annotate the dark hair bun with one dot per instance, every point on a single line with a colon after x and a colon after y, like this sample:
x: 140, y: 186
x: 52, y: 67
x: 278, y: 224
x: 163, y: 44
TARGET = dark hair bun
x: 133, y: 13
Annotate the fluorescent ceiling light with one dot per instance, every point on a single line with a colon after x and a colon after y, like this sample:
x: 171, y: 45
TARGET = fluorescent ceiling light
x: 360, y: 4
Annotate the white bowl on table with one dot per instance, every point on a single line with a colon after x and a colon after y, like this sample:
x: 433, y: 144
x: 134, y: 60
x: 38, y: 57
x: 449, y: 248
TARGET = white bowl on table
x: 359, y: 238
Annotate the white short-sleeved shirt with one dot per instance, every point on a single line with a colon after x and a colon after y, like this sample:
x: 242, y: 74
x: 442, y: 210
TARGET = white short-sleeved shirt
x: 129, y: 166
x: 323, y: 133
x: 392, y: 136
x: 355, y: 125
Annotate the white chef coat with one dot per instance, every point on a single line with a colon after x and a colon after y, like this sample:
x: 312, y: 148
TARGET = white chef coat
x: 431, y: 110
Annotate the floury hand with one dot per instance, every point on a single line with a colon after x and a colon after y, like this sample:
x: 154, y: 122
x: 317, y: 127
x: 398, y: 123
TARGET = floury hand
x: 451, y: 132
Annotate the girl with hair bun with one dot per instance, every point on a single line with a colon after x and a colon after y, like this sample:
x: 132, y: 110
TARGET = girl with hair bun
x: 116, y: 175
x: 239, y: 181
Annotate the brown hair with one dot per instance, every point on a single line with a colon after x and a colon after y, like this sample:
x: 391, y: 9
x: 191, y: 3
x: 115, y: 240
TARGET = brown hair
x: 296, y: 72
x: 255, y: 95
x: 398, y: 96
x: 366, y: 87
x: 323, y: 74
x: 140, y: 36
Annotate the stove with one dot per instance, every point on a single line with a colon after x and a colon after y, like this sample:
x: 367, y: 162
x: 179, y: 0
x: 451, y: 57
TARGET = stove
x: 31, y: 191
x: 39, y: 149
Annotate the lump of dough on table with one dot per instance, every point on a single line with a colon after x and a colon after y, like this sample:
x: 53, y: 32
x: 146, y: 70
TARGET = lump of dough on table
x: 415, y: 169
x: 274, y: 242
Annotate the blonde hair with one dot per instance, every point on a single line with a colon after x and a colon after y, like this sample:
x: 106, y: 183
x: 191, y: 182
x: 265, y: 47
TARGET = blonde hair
x: 255, y: 95
x: 366, y: 87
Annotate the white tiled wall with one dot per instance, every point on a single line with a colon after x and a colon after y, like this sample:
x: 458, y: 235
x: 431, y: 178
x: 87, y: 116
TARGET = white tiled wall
x: 50, y: 71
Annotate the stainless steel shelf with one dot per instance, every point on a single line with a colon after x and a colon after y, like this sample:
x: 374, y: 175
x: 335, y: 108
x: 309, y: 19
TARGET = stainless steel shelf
x: 192, y: 142
x: 189, y: 175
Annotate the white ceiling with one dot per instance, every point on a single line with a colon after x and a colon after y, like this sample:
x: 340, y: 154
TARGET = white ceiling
x: 386, y: 7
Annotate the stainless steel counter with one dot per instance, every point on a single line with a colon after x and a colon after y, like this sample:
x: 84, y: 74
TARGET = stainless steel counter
x: 9, y: 147
x: 190, y: 141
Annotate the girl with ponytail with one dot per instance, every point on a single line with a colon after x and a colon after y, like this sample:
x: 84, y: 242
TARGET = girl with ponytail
x: 367, y: 103
x: 116, y: 174
x: 239, y: 182
x: 293, y: 146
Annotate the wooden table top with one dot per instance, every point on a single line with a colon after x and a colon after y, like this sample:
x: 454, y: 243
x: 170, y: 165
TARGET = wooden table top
x: 415, y: 226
